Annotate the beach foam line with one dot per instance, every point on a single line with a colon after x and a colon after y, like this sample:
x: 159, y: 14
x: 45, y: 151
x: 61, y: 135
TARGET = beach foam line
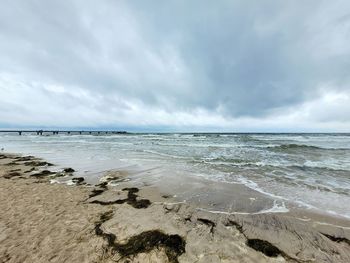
x: 164, y: 154
x: 274, y: 209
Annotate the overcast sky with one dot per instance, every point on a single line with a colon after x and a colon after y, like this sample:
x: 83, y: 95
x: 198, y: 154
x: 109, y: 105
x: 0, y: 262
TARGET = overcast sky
x: 176, y: 65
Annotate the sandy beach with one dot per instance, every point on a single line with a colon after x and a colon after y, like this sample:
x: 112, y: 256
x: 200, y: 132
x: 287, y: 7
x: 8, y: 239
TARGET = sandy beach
x: 174, y: 131
x: 43, y: 220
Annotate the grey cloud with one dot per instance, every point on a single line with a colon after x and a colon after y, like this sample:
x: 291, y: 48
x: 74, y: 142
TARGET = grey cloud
x: 232, y: 58
x: 248, y: 71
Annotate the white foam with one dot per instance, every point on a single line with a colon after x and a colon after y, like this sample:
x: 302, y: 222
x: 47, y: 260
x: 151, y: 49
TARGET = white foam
x: 70, y: 182
x: 178, y: 154
x: 276, y: 208
x: 252, y: 185
x: 164, y: 154
x: 54, y: 181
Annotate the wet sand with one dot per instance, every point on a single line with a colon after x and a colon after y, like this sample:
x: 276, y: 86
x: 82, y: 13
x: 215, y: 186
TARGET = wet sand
x: 42, y: 220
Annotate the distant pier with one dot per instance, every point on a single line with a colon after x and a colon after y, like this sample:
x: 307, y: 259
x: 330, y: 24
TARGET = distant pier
x: 68, y: 132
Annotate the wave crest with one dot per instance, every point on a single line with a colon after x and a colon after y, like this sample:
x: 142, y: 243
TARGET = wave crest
x: 293, y: 146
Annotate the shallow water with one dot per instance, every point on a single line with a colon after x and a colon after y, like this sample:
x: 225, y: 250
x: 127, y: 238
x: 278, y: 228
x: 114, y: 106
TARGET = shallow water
x: 310, y: 170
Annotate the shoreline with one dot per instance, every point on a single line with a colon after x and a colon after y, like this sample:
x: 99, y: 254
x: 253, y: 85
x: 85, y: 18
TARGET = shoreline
x: 116, y: 221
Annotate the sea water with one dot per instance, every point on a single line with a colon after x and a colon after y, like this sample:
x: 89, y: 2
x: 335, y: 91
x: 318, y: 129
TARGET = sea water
x: 311, y: 170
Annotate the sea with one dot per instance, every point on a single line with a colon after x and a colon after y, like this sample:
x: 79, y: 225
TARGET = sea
x: 311, y: 171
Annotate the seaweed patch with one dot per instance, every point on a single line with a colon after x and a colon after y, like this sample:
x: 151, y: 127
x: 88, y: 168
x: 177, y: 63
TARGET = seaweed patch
x: 209, y: 223
x: 236, y: 225
x: 173, y: 245
x: 11, y: 175
x: 37, y: 163
x: 68, y: 170
x: 2, y: 156
x: 337, y: 239
x: 24, y: 158
x: 42, y: 174
x: 30, y: 170
x: 96, y: 192
x: 131, y: 200
x: 78, y: 180
x: 263, y: 246
x: 260, y: 245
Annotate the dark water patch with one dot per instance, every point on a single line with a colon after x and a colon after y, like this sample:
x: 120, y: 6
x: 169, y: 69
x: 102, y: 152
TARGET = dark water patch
x: 322, y: 188
x: 306, y: 168
x: 173, y: 245
x: 230, y: 160
x: 294, y: 146
x: 204, y: 135
x: 302, y: 147
x: 249, y: 139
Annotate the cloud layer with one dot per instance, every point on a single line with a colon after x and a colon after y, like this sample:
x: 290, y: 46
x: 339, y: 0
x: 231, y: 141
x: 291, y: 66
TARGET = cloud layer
x: 176, y: 65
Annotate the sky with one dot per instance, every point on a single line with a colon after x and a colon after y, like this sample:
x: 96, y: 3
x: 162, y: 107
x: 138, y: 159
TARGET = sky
x: 229, y: 66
